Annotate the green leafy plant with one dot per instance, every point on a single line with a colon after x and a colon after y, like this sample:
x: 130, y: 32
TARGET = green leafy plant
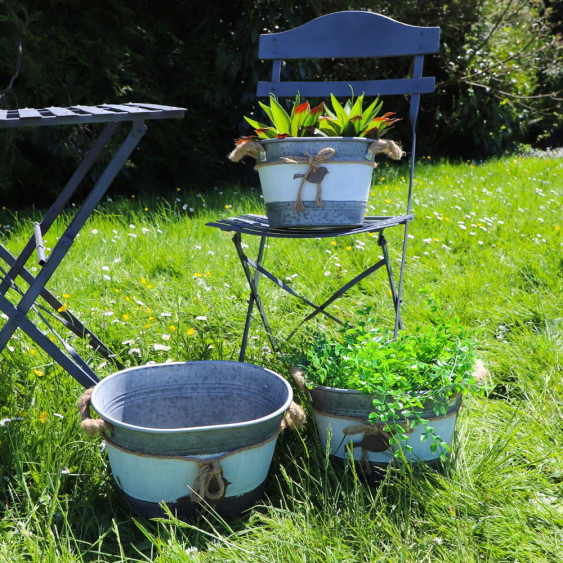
x: 348, y: 120
x: 351, y: 120
x: 419, y: 370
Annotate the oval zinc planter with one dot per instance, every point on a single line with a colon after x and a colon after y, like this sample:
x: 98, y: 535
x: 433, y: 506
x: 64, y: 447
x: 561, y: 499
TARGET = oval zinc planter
x: 191, y: 433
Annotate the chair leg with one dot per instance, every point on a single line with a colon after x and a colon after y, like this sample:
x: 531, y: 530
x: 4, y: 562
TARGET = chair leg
x: 382, y: 241
x: 254, y: 295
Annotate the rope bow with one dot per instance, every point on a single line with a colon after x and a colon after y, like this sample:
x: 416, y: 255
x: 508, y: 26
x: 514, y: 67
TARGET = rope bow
x: 314, y: 174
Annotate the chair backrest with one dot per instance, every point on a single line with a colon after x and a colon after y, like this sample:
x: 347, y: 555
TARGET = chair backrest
x: 353, y: 34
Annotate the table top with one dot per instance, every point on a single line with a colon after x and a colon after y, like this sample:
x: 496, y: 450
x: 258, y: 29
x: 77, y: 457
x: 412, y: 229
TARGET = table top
x: 72, y: 115
x: 258, y: 225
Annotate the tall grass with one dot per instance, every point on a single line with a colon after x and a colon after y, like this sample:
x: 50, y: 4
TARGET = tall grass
x: 156, y: 284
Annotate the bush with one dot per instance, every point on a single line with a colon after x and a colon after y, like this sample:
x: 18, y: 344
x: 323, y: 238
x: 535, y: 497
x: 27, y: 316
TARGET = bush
x: 496, y: 73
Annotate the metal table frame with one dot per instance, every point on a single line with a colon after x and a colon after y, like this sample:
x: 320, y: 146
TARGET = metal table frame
x: 257, y: 225
x: 112, y: 115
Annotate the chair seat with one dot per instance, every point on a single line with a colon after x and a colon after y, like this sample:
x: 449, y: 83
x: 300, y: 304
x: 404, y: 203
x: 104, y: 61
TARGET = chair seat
x: 257, y: 225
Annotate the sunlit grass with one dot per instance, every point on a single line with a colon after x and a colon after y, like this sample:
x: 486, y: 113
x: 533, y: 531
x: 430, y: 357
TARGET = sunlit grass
x: 156, y: 284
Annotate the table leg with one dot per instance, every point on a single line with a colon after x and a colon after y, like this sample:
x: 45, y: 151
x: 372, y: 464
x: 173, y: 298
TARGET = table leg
x: 67, y: 238
x: 59, y: 203
x: 65, y: 317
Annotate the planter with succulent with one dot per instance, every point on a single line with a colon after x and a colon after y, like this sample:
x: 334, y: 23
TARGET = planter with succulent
x: 380, y: 400
x: 316, y: 163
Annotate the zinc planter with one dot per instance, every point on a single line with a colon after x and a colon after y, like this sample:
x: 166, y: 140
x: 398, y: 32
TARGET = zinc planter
x: 312, y: 182
x: 342, y: 418
x: 191, y: 434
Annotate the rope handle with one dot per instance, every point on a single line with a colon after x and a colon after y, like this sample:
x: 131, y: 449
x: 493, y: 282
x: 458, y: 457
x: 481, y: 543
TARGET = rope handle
x: 89, y: 425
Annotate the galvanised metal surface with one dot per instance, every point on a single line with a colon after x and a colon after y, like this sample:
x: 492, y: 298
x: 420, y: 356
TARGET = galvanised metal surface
x: 332, y: 214
x: 352, y: 403
x: 346, y: 148
x: 342, y: 419
x: 192, y: 408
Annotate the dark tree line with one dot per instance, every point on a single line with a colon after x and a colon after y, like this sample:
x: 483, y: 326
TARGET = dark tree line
x: 499, y: 80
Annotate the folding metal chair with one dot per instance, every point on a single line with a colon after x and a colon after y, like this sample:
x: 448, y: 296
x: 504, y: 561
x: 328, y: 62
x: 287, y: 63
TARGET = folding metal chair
x: 340, y: 35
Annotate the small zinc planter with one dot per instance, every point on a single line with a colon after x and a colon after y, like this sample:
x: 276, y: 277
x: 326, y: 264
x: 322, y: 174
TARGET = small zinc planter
x: 343, y: 425
x: 315, y: 163
x: 380, y: 398
x: 310, y: 182
x: 190, y: 434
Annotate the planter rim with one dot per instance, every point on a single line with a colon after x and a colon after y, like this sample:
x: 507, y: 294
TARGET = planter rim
x: 192, y: 429
x: 312, y: 139
x: 357, y: 392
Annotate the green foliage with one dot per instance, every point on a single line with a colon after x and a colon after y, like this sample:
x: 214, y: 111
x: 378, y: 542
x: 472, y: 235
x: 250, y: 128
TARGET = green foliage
x: 418, y: 370
x: 351, y: 120
x: 300, y: 122
x: 487, y: 244
x: 348, y: 120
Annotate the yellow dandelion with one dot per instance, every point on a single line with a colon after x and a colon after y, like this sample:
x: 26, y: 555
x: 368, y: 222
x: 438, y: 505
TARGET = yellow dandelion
x: 66, y: 295
x: 146, y: 208
x: 348, y: 248
x: 127, y: 298
x: 149, y: 310
x: 126, y: 317
x: 387, y: 200
x: 150, y: 286
x: 151, y: 318
x: 171, y: 328
x: 178, y: 189
x: 148, y: 325
x: 43, y: 417
x: 333, y: 242
x: 143, y: 281
x: 33, y: 351
x: 197, y: 275
x: 207, y: 274
x: 191, y: 331
x: 382, y: 179
x: 62, y: 308
x: 557, y: 227
x: 38, y: 372
x: 435, y: 239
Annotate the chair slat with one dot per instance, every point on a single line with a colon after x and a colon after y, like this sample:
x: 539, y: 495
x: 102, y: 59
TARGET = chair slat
x: 61, y: 112
x: 29, y: 113
x: 388, y: 38
x: 396, y: 86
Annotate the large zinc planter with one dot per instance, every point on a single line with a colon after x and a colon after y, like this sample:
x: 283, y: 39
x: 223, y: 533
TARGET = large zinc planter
x: 316, y: 182
x: 342, y: 418
x: 191, y: 433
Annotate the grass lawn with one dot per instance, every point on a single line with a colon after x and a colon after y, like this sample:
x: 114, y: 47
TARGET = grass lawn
x: 156, y: 284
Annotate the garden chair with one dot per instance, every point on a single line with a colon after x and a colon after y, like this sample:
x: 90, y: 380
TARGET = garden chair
x: 340, y: 35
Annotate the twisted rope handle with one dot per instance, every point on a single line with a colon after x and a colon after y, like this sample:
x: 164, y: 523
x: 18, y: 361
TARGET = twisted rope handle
x: 89, y: 425
x: 209, y: 484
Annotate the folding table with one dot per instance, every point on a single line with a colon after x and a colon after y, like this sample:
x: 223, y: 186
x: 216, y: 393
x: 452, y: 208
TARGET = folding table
x: 28, y: 299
